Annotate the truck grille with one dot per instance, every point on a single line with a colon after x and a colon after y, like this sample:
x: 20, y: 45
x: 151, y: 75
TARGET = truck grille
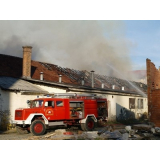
x: 18, y: 114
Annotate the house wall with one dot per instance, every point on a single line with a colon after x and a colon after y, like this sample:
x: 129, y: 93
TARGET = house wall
x: 119, y: 107
x: 52, y: 89
x: 9, y: 101
x: 153, y: 82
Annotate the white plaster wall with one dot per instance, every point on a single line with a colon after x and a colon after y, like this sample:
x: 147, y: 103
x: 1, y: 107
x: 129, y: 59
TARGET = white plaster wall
x: 51, y: 89
x: 117, y: 102
x: 11, y: 101
x: 113, y: 102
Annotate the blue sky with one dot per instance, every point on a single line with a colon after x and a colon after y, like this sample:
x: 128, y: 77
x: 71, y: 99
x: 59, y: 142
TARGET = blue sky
x: 145, y: 36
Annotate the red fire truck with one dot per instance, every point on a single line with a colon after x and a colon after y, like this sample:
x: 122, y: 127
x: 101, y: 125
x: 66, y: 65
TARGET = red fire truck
x: 66, y: 109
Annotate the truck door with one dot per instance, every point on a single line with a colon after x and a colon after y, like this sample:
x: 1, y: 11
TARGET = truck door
x: 49, y: 110
x: 60, y: 109
x: 54, y: 109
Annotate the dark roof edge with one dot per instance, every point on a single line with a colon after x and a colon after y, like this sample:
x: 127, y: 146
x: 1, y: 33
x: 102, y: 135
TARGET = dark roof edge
x: 106, y: 92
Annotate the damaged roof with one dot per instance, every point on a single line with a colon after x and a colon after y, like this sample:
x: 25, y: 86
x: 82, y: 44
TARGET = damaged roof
x: 12, y: 67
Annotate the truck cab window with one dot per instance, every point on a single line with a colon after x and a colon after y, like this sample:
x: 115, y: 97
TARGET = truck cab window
x: 36, y: 103
x: 49, y: 104
x: 59, y: 103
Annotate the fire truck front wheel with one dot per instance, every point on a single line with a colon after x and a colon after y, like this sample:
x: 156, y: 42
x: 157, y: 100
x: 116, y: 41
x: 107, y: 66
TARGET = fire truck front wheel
x: 37, y: 128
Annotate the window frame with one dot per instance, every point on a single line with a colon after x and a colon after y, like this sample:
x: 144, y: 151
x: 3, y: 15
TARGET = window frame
x: 140, y: 103
x: 53, y: 104
x: 131, y: 106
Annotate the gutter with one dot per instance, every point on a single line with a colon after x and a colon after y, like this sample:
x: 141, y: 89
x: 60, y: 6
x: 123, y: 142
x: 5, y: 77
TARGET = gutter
x: 103, y: 92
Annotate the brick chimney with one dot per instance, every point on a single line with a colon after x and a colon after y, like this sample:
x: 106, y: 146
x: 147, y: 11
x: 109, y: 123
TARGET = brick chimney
x: 26, y: 71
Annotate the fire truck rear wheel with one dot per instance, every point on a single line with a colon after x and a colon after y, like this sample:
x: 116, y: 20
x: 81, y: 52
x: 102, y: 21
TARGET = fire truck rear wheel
x: 21, y: 130
x: 37, y: 128
x: 90, y: 124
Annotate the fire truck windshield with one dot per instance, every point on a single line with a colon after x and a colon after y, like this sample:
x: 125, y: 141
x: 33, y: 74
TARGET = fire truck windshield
x: 36, y: 103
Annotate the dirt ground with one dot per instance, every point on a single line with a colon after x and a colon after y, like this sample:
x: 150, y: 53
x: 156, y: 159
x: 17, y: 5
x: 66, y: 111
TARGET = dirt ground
x: 76, y: 134
x: 50, y: 135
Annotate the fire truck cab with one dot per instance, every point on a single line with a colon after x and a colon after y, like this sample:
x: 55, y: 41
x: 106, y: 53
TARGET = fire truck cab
x: 61, y: 110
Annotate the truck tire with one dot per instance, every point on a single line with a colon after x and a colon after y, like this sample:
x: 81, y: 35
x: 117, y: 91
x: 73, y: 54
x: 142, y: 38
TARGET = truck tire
x: 89, y: 125
x: 21, y: 130
x: 38, y: 128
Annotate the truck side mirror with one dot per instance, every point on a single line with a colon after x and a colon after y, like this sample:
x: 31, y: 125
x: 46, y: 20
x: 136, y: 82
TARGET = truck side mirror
x: 28, y: 101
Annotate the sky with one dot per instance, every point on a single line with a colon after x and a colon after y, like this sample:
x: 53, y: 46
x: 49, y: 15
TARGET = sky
x: 145, y: 37
x: 109, y: 47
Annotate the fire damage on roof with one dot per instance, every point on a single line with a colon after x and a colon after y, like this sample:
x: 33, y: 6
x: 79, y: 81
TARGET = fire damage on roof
x: 77, y: 76
x: 12, y: 67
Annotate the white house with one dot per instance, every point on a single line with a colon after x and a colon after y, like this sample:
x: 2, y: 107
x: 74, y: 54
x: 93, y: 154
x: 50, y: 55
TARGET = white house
x: 23, y: 79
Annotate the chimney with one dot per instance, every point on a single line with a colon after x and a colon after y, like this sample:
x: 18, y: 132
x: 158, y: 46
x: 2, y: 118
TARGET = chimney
x: 102, y: 85
x: 113, y: 86
x: 41, y: 76
x: 60, y: 78
x: 26, y: 72
x: 122, y: 88
x: 92, y: 78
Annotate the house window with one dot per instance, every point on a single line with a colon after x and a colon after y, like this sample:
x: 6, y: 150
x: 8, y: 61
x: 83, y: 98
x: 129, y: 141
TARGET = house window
x: 140, y: 103
x: 59, y: 103
x: 131, y: 103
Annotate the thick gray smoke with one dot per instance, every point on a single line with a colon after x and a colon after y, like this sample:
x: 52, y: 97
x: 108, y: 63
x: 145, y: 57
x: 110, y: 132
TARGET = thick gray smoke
x: 82, y: 45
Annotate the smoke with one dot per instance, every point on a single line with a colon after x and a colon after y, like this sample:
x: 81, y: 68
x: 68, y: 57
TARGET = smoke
x: 82, y: 45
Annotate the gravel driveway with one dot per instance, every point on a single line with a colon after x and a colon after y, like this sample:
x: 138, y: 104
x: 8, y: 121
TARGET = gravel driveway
x: 13, y: 135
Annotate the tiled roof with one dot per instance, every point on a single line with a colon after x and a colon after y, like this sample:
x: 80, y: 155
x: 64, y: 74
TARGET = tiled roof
x: 12, y: 66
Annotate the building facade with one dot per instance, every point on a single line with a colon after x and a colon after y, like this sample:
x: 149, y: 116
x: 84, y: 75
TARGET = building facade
x: 23, y: 79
